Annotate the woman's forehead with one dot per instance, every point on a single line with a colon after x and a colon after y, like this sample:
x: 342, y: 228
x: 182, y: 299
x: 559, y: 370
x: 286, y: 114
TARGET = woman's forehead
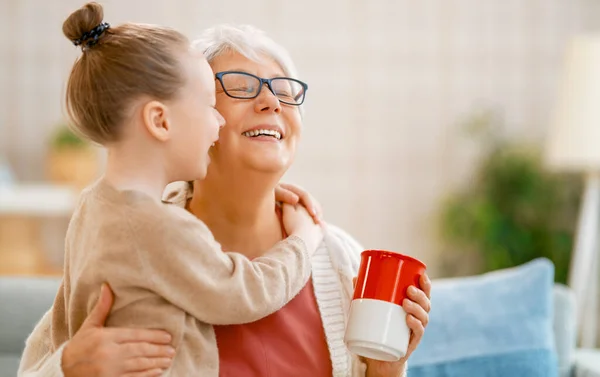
x: 263, y: 65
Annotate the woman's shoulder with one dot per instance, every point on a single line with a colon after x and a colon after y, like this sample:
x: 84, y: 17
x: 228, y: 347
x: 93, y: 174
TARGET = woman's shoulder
x: 343, y: 248
x: 344, y: 237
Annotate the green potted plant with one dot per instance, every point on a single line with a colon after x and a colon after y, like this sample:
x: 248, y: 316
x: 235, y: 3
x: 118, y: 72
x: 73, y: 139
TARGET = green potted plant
x: 513, y: 211
x: 71, y: 160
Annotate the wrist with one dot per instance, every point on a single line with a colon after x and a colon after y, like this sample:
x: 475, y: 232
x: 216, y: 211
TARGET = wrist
x: 385, y: 369
x: 402, y: 372
x: 305, y: 234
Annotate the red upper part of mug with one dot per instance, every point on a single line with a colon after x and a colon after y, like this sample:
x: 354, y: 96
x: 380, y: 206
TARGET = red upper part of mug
x: 386, y: 275
x: 394, y: 254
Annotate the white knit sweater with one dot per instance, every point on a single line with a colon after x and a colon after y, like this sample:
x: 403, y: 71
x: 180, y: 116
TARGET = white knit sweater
x: 334, y: 265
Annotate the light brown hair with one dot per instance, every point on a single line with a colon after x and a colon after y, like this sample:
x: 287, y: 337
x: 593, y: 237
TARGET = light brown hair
x: 117, y: 67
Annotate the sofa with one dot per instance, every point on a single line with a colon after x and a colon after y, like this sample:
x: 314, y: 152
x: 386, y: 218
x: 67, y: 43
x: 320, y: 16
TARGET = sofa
x: 23, y: 301
x: 447, y: 349
x: 512, y: 322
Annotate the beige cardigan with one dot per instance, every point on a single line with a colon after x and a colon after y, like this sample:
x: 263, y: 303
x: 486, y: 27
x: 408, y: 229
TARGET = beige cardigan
x: 334, y: 265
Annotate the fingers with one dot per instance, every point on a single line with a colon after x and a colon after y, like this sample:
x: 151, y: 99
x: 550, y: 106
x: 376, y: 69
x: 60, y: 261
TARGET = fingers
x: 147, y: 350
x: 416, y: 311
x: 306, y: 199
x: 285, y: 196
x: 417, y: 330
x: 122, y: 335
x: 425, y: 284
x: 147, y: 373
x: 304, y: 210
x: 99, y: 313
x: 419, y: 297
x: 286, y: 208
x: 417, y: 307
x: 143, y: 364
x: 298, y: 210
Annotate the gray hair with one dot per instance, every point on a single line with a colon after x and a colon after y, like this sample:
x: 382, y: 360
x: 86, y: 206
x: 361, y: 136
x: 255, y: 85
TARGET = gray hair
x: 246, y: 40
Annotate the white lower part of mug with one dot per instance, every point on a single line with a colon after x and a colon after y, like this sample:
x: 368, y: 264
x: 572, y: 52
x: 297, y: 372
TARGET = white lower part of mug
x: 377, y: 330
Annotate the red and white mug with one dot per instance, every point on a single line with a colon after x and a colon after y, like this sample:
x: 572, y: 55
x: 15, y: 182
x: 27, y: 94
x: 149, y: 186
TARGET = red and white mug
x: 377, y: 322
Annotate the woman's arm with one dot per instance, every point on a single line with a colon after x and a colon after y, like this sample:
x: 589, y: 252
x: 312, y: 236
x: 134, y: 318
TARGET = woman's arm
x: 96, y: 351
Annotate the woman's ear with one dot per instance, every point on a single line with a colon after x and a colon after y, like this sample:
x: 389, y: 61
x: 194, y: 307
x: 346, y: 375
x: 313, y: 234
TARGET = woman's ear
x: 155, y: 118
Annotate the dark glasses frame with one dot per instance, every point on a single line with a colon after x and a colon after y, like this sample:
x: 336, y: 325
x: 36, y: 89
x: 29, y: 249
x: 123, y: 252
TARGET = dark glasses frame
x: 219, y: 76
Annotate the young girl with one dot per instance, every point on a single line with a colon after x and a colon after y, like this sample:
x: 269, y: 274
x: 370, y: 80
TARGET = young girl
x: 144, y: 94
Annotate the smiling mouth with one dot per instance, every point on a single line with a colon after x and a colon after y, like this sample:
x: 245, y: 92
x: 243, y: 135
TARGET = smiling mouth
x: 256, y: 133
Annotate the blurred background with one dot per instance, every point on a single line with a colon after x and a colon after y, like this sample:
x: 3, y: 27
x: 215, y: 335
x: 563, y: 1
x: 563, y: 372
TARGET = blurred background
x: 413, y: 108
x: 426, y: 131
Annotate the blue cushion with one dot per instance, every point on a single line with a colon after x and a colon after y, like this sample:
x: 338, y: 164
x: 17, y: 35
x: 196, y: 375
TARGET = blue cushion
x: 493, y: 325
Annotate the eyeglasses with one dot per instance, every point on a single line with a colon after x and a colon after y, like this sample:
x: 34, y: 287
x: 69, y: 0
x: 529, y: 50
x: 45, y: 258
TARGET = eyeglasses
x: 244, y: 85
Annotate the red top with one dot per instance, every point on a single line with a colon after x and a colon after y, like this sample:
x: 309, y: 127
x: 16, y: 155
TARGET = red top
x: 290, y: 342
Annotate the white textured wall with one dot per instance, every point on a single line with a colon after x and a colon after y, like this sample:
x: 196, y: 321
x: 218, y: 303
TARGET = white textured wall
x: 388, y: 82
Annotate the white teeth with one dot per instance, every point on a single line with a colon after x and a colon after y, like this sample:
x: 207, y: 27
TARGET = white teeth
x: 253, y: 133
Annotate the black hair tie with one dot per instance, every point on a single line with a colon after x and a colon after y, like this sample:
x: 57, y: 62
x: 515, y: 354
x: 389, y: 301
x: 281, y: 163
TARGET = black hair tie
x: 90, y: 38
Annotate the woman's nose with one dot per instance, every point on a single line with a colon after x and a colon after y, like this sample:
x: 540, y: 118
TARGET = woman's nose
x: 267, y: 101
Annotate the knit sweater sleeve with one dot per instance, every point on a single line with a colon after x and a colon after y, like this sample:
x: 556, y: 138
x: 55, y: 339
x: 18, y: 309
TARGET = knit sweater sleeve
x: 37, y: 359
x: 182, y: 262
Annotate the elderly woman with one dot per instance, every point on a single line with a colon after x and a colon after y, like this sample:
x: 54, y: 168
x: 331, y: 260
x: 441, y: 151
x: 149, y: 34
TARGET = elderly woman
x: 260, y: 97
